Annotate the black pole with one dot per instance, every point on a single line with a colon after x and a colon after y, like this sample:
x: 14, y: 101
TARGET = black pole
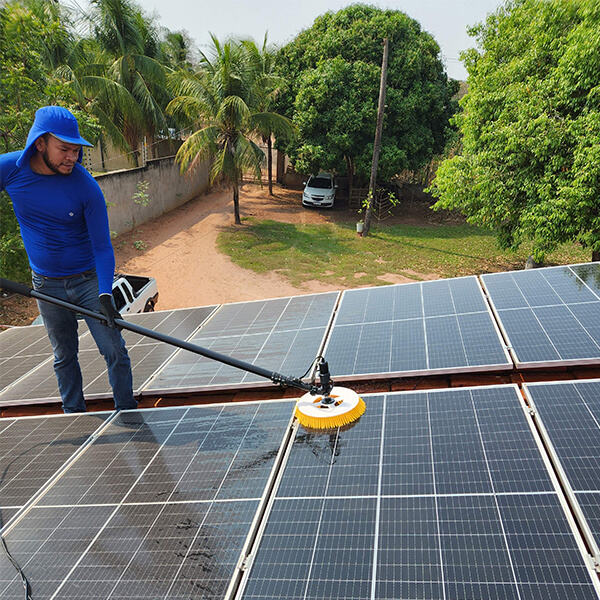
x: 23, y: 290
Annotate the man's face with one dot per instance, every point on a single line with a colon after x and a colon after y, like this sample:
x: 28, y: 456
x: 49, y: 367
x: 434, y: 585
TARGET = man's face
x: 60, y: 157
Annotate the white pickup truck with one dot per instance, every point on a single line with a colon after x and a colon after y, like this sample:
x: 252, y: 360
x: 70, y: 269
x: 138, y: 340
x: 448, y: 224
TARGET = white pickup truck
x: 134, y: 294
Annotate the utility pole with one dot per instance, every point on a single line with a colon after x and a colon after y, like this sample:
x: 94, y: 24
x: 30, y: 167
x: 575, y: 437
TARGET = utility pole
x: 377, y: 143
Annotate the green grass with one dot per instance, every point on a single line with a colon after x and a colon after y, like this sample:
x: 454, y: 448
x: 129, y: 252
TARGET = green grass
x: 334, y: 253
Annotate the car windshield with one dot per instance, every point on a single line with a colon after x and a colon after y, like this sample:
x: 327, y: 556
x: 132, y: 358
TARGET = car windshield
x: 319, y: 182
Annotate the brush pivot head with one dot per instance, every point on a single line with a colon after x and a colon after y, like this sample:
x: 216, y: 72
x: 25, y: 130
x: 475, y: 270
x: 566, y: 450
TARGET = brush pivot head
x: 324, y: 411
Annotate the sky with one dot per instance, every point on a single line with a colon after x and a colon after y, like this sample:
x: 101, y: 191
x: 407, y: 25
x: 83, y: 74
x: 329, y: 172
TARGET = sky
x: 446, y: 20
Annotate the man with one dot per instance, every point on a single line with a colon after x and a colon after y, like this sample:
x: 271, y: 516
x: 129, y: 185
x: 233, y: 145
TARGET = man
x: 64, y: 225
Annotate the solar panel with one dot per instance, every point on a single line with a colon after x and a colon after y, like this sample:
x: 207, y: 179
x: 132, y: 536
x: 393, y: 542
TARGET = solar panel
x: 282, y: 334
x: 549, y: 316
x: 32, y: 449
x: 569, y: 414
x: 21, y: 350
x: 442, y: 326
x: 432, y: 495
x: 146, y: 354
x: 159, y: 505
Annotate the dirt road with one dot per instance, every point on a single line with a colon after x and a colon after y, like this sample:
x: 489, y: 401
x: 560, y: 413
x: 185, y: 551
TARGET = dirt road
x: 181, y: 250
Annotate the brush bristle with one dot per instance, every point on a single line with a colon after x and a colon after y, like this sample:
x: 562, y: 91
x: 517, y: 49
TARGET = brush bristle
x: 333, y: 421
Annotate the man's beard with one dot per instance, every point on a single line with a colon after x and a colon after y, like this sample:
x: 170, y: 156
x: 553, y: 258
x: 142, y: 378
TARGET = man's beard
x: 52, y: 166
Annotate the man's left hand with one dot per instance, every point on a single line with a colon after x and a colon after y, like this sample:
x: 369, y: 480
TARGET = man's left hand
x: 109, y: 311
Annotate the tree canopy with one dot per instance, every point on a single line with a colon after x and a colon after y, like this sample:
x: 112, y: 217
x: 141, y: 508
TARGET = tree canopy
x: 530, y: 125
x: 333, y: 69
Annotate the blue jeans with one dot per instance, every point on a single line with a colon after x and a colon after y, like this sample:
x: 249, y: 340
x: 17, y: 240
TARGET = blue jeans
x: 61, y: 325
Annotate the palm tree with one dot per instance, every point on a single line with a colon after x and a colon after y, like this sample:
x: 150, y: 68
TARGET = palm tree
x: 221, y: 104
x: 116, y: 74
x: 267, y: 85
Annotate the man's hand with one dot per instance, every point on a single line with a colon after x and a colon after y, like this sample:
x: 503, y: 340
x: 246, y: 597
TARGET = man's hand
x: 109, y: 311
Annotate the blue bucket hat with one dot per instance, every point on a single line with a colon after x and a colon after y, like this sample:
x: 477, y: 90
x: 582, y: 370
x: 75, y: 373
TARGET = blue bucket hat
x: 60, y: 123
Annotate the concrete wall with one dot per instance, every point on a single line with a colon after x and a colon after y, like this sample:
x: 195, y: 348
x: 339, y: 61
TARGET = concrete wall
x: 166, y: 190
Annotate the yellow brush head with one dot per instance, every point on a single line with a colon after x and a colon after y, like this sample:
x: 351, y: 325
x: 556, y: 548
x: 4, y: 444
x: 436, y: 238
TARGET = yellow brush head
x: 312, y: 412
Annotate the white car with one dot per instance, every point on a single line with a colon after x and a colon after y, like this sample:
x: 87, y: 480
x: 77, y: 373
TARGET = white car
x: 319, y: 190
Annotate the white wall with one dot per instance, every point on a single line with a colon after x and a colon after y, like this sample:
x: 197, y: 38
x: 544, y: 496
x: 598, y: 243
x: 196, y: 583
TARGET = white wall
x: 167, y: 189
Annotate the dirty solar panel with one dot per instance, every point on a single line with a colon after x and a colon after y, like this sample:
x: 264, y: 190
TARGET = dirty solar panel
x: 434, y: 326
x: 549, y: 315
x: 431, y: 495
x: 33, y: 449
x: 147, y: 355
x: 282, y: 335
x: 570, y: 413
x: 160, y: 505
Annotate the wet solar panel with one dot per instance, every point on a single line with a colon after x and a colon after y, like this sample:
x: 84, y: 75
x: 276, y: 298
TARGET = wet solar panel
x: 160, y: 505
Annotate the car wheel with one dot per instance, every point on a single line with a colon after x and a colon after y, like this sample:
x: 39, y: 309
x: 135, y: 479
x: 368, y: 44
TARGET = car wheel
x: 149, y: 306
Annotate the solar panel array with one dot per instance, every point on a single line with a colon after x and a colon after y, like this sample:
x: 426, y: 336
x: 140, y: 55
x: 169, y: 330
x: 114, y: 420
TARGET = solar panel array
x: 159, y: 505
x: 283, y: 335
x: 445, y: 494
x: 147, y: 355
x: 549, y: 316
x: 570, y: 419
x: 439, y: 326
x: 431, y: 495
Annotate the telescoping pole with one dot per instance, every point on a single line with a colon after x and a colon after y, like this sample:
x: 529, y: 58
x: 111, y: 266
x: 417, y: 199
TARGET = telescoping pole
x: 277, y: 378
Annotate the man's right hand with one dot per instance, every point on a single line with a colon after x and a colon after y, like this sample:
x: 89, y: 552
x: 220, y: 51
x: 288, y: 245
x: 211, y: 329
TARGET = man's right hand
x: 109, y: 311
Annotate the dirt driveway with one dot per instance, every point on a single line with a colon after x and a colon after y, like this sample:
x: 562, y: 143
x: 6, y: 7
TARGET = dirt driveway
x: 179, y: 250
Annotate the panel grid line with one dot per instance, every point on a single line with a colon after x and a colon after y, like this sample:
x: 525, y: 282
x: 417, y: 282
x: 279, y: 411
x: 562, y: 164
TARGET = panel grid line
x: 500, y: 519
x: 378, y: 502
x: 435, y: 496
x: 462, y: 341
x: 424, y: 327
x: 322, y: 512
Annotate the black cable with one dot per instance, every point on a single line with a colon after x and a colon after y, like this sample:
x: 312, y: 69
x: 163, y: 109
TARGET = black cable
x: 312, y: 364
x: 15, y: 564
x: 11, y: 558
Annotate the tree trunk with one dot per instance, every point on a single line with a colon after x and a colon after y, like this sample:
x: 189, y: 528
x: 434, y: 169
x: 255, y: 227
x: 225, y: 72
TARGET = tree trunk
x: 236, y: 203
x: 101, y: 145
x: 377, y: 143
x: 350, y: 171
x: 270, y: 164
x: 595, y: 255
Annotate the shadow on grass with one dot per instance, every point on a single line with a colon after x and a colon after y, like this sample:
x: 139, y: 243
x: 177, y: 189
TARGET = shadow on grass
x: 280, y: 237
x: 449, y: 232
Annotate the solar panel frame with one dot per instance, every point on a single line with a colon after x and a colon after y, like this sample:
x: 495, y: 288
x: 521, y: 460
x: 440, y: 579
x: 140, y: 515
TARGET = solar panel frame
x: 557, y: 464
x: 219, y: 370
x: 443, y: 319
x: 535, y: 321
x: 96, y: 385
x: 555, y: 485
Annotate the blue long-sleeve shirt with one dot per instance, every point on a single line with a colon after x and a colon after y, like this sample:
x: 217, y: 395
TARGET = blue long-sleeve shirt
x: 63, y: 220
